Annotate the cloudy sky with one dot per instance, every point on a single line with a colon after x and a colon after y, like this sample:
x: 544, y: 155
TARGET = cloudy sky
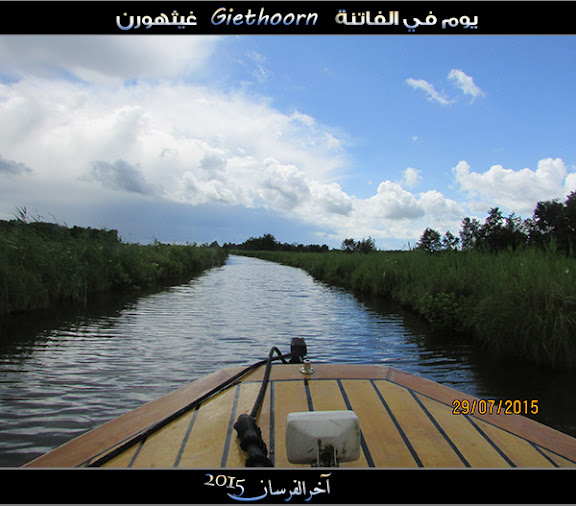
x: 310, y: 138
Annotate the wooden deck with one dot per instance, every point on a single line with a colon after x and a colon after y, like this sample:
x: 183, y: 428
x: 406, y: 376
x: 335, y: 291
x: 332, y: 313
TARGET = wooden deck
x: 406, y: 421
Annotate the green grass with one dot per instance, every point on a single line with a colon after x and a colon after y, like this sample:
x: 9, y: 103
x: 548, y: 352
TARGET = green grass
x: 521, y: 303
x: 43, y: 264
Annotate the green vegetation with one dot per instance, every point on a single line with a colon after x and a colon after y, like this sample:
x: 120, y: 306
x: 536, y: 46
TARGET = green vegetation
x: 45, y: 263
x: 519, y: 302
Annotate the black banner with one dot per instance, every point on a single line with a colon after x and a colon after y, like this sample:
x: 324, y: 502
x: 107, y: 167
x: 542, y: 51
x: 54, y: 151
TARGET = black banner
x: 288, y: 486
x: 287, y: 18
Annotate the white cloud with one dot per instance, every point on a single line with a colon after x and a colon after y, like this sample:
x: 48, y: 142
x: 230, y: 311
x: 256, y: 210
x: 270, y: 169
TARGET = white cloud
x: 96, y: 140
x: 331, y: 199
x: 261, y: 73
x: 520, y: 190
x: 172, y: 141
x: 411, y: 177
x: 431, y: 93
x: 441, y: 212
x: 401, y: 214
x: 256, y: 63
x: 465, y: 83
x: 282, y: 186
x: 187, y: 144
x: 105, y: 59
x: 462, y: 81
x: 394, y: 202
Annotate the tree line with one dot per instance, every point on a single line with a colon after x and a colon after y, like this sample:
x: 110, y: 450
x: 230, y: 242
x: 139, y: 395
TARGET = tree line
x: 269, y: 243
x: 553, y: 222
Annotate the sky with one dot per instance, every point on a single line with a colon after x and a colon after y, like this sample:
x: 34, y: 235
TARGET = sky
x: 313, y: 139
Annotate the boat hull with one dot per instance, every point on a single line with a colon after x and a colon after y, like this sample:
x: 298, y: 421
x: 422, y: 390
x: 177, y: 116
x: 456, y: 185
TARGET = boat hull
x: 406, y: 421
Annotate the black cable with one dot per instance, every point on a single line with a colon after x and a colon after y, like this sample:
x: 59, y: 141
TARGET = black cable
x: 141, y: 436
x: 249, y: 433
x: 266, y: 380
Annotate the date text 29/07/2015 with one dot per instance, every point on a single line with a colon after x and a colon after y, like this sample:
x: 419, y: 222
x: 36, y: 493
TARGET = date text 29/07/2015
x: 497, y: 407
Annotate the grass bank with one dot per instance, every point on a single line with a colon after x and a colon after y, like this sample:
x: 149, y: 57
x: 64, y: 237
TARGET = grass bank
x: 44, y: 263
x: 521, y: 303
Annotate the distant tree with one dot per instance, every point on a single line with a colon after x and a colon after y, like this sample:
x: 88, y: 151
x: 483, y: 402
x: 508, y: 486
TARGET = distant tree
x: 555, y: 221
x: 267, y: 243
x: 363, y: 246
x: 366, y: 245
x: 469, y: 233
x: 550, y: 217
x: 450, y: 241
x: 348, y: 245
x: 430, y: 241
x: 490, y: 234
x: 316, y: 248
x: 496, y: 233
x: 515, y: 232
x: 570, y: 204
x: 499, y: 233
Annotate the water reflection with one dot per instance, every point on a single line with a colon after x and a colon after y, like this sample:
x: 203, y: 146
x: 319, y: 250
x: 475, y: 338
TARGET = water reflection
x: 460, y: 363
x: 62, y: 374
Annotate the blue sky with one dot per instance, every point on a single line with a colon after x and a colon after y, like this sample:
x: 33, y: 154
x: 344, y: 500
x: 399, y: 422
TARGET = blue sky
x: 313, y: 139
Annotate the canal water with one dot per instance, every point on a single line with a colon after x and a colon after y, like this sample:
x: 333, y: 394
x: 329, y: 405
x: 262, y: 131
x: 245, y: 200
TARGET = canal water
x: 65, y: 372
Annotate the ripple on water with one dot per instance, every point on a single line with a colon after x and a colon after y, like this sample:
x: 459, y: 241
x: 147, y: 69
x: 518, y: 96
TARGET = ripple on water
x: 63, y: 379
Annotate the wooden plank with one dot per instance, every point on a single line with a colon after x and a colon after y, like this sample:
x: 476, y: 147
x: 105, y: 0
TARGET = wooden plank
x: 520, y: 451
x: 385, y: 443
x: 560, y: 461
x: 82, y: 448
x: 428, y: 443
x: 474, y: 448
x: 207, y: 439
x: 322, y: 371
x: 161, y: 449
x: 289, y: 396
x: 326, y: 395
x: 542, y: 435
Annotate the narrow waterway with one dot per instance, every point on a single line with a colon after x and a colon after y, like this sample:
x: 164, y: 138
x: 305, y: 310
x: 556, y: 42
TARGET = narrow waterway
x: 63, y: 373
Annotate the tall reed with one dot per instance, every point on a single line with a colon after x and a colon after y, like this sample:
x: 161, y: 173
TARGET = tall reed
x: 521, y: 303
x: 43, y: 263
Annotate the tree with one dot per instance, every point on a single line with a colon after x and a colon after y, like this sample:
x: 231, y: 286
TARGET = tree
x: 469, y: 233
x: 550, y: 217
x: 496, y: 233
x: 430, y: 241
x: 515, y: 232
x: 555, y: 221
x: 490, y: 233
x: 366, y: 245
x: 348, y: 245
x: 363, y: 246
x: 450, y: 242
x: 267, y: 243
